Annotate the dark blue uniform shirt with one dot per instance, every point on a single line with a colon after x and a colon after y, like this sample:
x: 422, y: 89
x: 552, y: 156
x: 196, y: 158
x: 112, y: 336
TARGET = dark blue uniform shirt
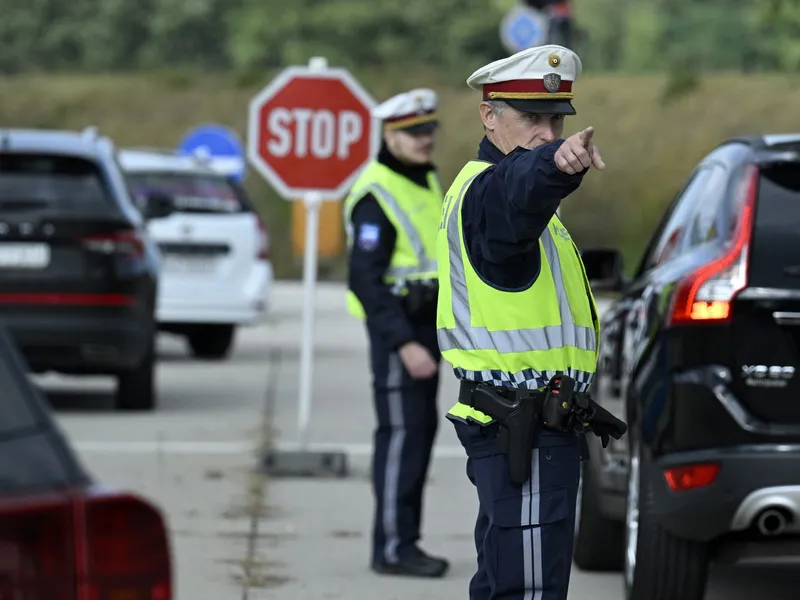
x: 374, y: 238
x: 507, y: 208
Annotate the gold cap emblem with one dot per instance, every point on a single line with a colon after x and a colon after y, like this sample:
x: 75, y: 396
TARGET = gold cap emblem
x: 554, y: 60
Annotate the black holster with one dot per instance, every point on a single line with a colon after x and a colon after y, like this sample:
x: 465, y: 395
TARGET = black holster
x: 519, y: 423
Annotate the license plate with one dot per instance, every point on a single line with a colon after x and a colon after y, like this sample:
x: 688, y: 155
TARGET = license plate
x: 24, y: 256
x: 188, y: 264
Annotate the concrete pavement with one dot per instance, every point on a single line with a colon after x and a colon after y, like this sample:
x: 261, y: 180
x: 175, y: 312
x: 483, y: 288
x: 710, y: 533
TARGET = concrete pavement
x: 237, y: 536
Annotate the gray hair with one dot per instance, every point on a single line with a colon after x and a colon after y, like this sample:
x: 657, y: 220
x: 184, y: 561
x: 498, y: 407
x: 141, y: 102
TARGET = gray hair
x: 498, y: 106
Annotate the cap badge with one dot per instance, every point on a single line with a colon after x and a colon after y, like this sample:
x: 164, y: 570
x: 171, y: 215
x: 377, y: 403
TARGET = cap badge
x: 554, y: 60
x: 552, y: 82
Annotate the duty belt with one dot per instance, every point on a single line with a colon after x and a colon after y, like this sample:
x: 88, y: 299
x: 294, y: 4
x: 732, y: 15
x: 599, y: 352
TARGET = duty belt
x: 521, y: 413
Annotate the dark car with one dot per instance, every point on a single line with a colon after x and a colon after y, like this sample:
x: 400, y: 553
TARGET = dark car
x: 699, y: 355
x: 78, y: 272
x: 63, y: 536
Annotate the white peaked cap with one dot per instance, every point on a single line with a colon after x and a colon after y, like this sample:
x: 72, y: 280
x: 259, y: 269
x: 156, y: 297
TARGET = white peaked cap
x: 538, y: 79
x: 415, y: 109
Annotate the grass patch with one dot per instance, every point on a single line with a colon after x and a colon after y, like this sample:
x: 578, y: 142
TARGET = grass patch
x: 651, y: 130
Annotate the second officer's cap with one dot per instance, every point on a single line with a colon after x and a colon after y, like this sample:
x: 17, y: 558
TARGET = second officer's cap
x: 413, y: 111
x: 536, y: 80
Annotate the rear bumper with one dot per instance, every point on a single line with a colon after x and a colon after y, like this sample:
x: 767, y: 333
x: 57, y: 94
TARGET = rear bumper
x: 246, y: 304
x: 81, y: 344
x: 751, y: 479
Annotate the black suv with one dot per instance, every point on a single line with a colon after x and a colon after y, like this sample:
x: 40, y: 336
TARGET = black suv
x: 699, y: 355
x: 78, y: 274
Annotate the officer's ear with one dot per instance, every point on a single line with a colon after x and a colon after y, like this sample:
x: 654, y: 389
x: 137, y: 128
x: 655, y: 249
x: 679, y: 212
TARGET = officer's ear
x: 390, y: 139
x: 489, y: 115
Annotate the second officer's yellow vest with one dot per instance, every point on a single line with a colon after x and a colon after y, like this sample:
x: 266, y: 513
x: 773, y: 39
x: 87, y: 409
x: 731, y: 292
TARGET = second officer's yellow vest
x: 513, y: 338
x: 413, y: 211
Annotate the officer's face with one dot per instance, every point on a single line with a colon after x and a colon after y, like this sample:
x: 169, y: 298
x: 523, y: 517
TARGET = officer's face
x: 511, y: 128
x: 411, y: 148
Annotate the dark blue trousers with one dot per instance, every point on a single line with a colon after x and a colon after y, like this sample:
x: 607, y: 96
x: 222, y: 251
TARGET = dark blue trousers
x: 523, y: 533
x: 407, y: 421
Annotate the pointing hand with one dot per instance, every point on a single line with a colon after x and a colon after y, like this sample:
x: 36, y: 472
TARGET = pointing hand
x: 578, y: 153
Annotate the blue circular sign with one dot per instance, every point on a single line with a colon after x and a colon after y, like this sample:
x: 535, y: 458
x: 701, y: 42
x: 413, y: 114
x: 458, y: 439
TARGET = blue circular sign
x: 523, y: 27
x: 221, y: 145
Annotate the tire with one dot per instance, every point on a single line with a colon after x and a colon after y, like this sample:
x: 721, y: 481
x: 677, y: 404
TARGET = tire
x: 658, y: 565
x: 599, y: 542
x: 211, y: 341
x: 136, y: 388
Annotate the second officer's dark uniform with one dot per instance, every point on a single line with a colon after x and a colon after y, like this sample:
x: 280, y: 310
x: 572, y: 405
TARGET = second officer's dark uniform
x: 391, y: 217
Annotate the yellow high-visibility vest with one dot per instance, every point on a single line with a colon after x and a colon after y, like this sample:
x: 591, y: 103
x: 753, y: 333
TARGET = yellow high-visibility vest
x: 414, y: 212
x: 513, y: 338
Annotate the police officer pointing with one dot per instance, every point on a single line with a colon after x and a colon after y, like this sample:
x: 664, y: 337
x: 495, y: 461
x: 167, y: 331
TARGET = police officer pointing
x: 517, y: 321
x: 391, y: 217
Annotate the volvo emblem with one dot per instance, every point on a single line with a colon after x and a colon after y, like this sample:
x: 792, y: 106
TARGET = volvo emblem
x: 775, y: 376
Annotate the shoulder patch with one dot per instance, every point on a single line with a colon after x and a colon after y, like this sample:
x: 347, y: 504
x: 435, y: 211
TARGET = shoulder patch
x: 369, y: 236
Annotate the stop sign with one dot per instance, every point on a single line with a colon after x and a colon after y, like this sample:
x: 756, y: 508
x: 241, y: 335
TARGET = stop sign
x: 311, y: 130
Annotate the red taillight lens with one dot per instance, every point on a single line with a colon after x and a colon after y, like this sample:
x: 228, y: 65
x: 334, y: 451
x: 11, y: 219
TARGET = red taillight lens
x: 689, y: 477
x: 262, y: 252
x: 127, y: 550
x: 56, y: 299
x: 707, y: 294
x: 37, y: 556
x: 126, y: 243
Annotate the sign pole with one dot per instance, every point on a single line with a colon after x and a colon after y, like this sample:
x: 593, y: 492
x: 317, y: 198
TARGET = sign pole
x: 313, y: 203
x: 310, y: 132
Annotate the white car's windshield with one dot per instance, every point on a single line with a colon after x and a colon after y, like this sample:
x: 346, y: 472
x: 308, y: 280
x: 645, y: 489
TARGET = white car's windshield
x: 191, y: 192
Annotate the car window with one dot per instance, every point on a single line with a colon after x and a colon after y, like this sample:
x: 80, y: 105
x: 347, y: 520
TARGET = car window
x: 43, y: 180
x: 191, y: 192
x: 775, y: 256
x: 705, y: 225
x: 33, y: 453
x: 669, y: 243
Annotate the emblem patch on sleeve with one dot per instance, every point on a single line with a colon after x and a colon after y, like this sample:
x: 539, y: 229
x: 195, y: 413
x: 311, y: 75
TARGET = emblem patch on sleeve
x: 369, y: 235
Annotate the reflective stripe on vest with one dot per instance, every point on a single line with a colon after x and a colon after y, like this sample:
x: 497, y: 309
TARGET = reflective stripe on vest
x: 411, y: 260
x: 539, y: 342
x: 426, y: 266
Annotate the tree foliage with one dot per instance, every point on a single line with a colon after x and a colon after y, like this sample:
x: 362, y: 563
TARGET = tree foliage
x: 252, y: 35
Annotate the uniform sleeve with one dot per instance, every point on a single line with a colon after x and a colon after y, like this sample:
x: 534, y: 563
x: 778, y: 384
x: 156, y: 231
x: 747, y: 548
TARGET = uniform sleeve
x: 374, y: 238
x: 507, y: 208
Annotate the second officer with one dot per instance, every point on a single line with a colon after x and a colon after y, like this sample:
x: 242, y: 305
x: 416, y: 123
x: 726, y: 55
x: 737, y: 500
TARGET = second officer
x: 391, y: 218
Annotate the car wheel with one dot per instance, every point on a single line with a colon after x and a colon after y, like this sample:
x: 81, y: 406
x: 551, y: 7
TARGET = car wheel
x: 136, y: 389
x: 599, y: 542
x: 211, y: 341
x: 658, y: 565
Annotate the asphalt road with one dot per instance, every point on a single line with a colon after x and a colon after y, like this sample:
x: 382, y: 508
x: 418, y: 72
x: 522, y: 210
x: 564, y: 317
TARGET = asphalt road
x: 235, y: 535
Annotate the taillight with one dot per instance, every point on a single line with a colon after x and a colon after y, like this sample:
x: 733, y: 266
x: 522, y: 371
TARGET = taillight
x: 37, y: 557
x: 707, y: 293
x: 689, y: 477
x: 262, y: 252
x: 127, y: 550
x: 125, y: 243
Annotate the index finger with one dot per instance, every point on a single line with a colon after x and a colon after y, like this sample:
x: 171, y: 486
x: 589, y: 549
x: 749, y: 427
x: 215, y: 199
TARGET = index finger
x: 597, y: 161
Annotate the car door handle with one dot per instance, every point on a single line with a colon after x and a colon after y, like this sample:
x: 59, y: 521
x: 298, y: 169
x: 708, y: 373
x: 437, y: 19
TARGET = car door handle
x: 786, y: 318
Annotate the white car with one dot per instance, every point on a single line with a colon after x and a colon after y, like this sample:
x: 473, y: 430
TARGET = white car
x: 216, y: 272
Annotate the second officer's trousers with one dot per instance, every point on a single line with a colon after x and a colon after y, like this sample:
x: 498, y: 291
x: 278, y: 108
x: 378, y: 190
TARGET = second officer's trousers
x: 407, y: 420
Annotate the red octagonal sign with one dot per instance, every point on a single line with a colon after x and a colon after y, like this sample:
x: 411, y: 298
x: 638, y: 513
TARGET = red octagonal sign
x: 311, y: 130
